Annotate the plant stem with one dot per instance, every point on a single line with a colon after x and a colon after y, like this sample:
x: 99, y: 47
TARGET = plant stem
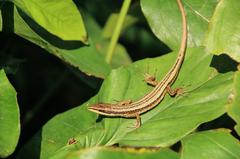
x: 117, y: 31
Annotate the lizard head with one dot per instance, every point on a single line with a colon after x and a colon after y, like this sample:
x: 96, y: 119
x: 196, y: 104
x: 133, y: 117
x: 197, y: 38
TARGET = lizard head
x: 101, y: 108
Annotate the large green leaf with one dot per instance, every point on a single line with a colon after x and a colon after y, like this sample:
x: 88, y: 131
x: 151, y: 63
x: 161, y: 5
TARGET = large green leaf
x: 204, y: 100
x: 234, y: 107
x: 164, y: 19
x: 60, y: 18
x: 9, y: 117
x: 215, y: 144
x: 116, y: 153
x: 224, y: 30
x: 56, y: 133
x: 85, y: 58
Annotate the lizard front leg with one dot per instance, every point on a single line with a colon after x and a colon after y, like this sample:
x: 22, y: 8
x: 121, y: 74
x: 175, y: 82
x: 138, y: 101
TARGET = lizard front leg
x: 150, y: 80
x: 174, y: 92
x: 138, y: 122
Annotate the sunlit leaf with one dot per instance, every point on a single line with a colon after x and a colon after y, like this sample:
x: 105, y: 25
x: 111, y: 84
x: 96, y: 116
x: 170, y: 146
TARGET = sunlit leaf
x: 9, y: 117
x: 61, y: 18
x: 224, y: 30
x: 116, y: 153
x: 58, y: 131
x: 234, y: 107
x: 164, y: 19
x: 214, y: 144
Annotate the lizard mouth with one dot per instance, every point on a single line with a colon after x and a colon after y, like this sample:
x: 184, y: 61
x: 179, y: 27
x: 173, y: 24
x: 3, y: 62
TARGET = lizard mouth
x: 96, y: 109
x: 93, y: 109
x: 101, y: 111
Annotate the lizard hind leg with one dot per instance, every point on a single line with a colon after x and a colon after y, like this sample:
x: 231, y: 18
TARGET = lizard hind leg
x: 175, y: 92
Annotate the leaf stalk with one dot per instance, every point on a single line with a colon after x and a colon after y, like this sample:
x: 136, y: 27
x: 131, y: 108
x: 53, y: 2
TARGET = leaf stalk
x: 117, y: 30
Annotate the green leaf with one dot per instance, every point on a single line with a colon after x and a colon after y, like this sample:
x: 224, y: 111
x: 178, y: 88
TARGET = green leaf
x: 234, y: 107
x: 9, y: 117
x: 0, y: 20
x: 111, y: 24
x: 56, y: 133
x: 165, y: 20
x: 61, y: 18
x: 93, y: 28
x: 85, y: 58
x: 116, y: 153
x: 224, y: 30
x: 214, y: 144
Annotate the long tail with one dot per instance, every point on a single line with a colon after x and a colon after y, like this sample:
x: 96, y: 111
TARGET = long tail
x: 176, y: 67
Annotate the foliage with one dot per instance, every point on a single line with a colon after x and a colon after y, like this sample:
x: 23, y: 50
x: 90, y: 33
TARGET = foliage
x: 9, y: 117
x: 203, y: 122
